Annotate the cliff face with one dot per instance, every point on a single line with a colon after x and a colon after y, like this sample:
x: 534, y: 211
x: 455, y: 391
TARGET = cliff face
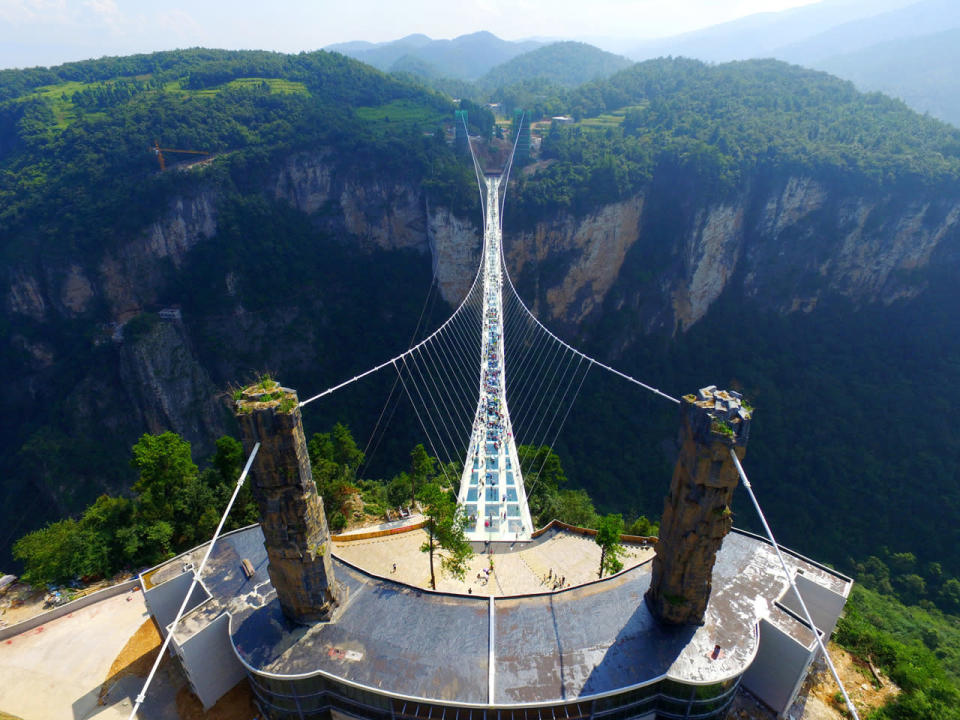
x: 164, y: 376
x: 168, y: 388
x: 596, y: 245
x: 130, y: 277
x: 788, y: 244
x: 666, y: 255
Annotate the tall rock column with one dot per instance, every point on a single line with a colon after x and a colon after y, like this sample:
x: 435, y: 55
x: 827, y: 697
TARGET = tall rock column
x: 291, y: 513
x: 696, y: 513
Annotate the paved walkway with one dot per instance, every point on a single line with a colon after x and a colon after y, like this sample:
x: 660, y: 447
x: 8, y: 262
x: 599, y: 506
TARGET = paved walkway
x: 531, y: 568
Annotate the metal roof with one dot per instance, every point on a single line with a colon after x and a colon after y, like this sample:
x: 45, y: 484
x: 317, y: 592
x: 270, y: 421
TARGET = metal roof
x: 585, y: 641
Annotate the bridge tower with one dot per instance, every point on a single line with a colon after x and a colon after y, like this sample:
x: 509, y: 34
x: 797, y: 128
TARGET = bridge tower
x: 492, y: 493
x: 291, y: 513
x: 696, y: 513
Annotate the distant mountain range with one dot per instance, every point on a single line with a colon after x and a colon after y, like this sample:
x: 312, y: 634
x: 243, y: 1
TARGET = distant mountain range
x: 466, y: 57
x: 763, y: 34
x: 903, y: 48
x: 921, y: 71
x: 486, y: 60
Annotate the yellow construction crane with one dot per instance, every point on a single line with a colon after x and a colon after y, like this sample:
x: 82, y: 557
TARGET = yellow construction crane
x: 159, y: 151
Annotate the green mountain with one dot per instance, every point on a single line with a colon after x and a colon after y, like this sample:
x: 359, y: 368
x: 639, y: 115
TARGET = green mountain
x: 95, y: 240
x: 769, y: 228
x: 566, y: 64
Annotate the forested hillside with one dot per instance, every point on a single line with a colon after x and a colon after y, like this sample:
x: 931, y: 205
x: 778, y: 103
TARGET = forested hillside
x: 94, y: 237
x: 753, y: 225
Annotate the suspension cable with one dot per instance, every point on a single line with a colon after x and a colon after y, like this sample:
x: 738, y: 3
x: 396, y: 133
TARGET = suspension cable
x: 793, y: 584
x: 422, y: 425
x: 402, y: 355
x: 196, y: 577
x: 582, y: 354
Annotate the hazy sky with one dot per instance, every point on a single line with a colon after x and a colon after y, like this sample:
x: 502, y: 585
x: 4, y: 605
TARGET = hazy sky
x: 47, y: 32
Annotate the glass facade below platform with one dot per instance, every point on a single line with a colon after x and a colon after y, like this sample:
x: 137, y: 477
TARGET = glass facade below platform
x: 313, y: 698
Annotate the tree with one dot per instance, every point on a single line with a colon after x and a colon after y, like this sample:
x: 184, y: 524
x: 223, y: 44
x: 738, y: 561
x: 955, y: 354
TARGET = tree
x: 644, y: 527
x: 50, y: 554
x: 102, y: 527
x: 543, y: 476
x: 398, y: 490
x: 334, y: 461
x: 444, y: 523
x: 165, y: 467
x: 950, y: 595
x: 171, y: 491
x: 609, y: 530
x: 574, y: 507
x: 221, y: 477
x: 421, y: 469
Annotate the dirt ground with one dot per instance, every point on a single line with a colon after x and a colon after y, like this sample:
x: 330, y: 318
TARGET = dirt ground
x: 21, y: 602
x: 237, y: 704
x: 819, y: 698
x: 866, y: 690
x: 137, y: 658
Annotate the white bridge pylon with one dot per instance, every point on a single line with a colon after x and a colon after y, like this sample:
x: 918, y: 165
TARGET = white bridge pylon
x: 492, y: 493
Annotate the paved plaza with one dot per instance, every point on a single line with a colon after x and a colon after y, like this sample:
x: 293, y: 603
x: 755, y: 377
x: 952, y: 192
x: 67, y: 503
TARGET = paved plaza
x: 55, y: 671
x: 532, y: 567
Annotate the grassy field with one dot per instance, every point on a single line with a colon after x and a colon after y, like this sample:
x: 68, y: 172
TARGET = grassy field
x: 277, y: 86
x: 65, y: 112
x: 59, y: 96
x: 611, y: 119
x: 402, y: 111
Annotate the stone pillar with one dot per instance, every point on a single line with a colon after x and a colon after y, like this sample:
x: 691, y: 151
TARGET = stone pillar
x: 291, y: 513
x: 696, y: 513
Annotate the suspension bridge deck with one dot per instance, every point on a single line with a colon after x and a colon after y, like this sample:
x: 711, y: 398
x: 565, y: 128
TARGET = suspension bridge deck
x: 492, y: 493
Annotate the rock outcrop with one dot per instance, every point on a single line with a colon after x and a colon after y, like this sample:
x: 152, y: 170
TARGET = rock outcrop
x: 291, y: 513
x: 789, y: 243
x: 168, y: 387
x: 696, y: 513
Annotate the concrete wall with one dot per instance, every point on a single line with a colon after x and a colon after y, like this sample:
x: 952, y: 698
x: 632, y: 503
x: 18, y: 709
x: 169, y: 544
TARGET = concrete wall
x: 43, y: 618
x: 778, y: 669
x: 210, y: 663
x: 824, y: 604
x: 163, y: 600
